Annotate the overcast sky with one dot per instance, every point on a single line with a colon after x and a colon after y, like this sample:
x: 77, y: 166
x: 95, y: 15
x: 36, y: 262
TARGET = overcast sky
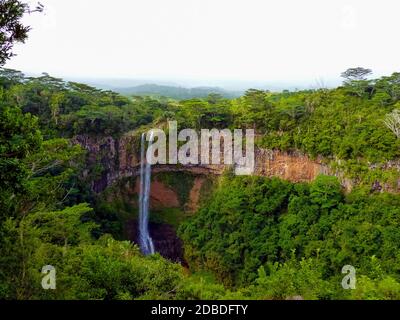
x: 297, y: 41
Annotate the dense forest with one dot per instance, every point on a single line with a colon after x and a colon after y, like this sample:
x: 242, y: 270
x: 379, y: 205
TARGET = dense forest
x: 174, y: 92
x: 252, y: 238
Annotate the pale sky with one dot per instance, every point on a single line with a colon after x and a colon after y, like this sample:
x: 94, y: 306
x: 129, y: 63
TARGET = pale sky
x: 238, y: 40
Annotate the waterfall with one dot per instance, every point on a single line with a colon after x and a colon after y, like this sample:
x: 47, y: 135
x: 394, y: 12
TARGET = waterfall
x: 145, y: 241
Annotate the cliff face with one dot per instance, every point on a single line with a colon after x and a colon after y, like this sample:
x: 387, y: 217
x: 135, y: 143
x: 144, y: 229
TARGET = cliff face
x: 119, y: 159
x: 294, y: 166
x: 161, y: 196
x: 164, y: 237
x: 116, y: 159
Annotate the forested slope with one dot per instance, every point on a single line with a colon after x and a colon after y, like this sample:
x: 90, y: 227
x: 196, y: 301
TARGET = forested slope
x: 253, y: 238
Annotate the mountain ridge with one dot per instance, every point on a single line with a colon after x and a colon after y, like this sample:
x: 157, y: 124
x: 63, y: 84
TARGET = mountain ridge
x: 176, y: 92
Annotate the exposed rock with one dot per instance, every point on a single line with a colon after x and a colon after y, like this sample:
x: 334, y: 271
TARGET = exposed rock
x: 117, y: 157
x: 165, y: 240
x: 295, y: 167
x: 376, y: 186
x: 160, y: 195
x: 194, y: 195
x: 120, y: 159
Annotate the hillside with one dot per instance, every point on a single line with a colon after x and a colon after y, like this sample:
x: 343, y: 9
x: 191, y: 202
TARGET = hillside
x: 178, y: 93
x: 69, y: 188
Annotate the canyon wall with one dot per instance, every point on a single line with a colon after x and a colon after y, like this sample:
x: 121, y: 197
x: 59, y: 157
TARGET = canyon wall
x: 120, y: 159
x: 116, y: 159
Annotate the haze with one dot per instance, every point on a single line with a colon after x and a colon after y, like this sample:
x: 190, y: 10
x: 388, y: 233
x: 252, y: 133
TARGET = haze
x: 212, y: 42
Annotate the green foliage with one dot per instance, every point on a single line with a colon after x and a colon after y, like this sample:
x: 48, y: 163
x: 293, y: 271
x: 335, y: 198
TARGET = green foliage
x: 302, y: 234
x: 68, y: 108
x: 292, y: 279
x: 19, y: 137
x: 367, y: 289
x: 11, y: 28
x: 325, y: 192
x: 220, y: 237
x: 329, y: 123
x: 201, y: 113
x: 171, y: 216
x: 86, y: 269
x: 178, y: 93
x: 252, y: 238
x: 180, y: 182
x: 97, y: 120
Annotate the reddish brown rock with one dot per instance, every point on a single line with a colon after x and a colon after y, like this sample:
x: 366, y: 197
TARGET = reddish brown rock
x: 194, y: 195
x: 294, y: 167
x: 161, y: 196
x: 120, y: 159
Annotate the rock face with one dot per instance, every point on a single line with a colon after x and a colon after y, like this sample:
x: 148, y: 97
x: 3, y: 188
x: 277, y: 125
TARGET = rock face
x: 161, y: 196
x: 117, y: 157
x: 120, y: 159
x: 164, y: 237
x: 294, y: 166
x: 194, y: 195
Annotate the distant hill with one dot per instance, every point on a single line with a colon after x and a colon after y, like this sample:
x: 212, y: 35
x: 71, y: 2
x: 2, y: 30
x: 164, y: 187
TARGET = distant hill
x: 179, y: 93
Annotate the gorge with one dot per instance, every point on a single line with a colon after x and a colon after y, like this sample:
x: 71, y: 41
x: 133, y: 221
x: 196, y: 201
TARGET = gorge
x: 127, y: 173
x: 325, y: 192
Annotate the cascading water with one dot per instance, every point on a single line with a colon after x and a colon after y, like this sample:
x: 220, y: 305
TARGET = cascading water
x: 145, y: 241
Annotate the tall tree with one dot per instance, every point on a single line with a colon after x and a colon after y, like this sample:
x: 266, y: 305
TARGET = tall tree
x: 356, y: 74
x: 356, y: 80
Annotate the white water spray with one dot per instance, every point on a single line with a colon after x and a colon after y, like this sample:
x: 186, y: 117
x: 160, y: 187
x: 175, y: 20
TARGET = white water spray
x: 145, y: 241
